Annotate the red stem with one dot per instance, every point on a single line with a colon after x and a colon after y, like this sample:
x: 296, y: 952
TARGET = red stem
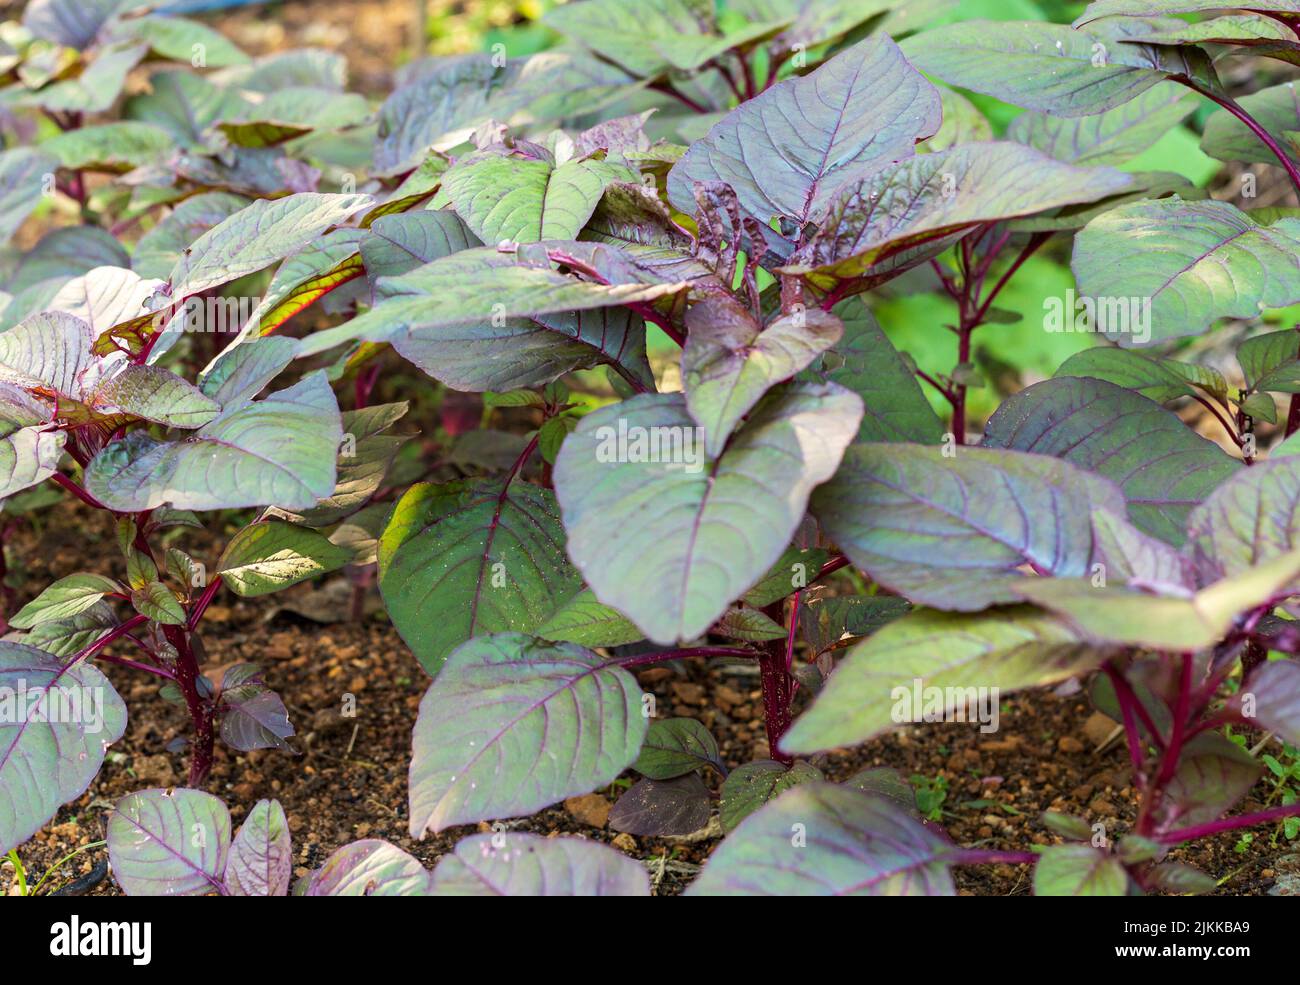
x: 200, y: 709
x: 794, y: 624
x: 661, y: 656
x: 1130, y: 722
x: 974, y: 856
x: 112, y: 636
x: 77, y: 491
x: 668, y: 89
x: 204, y: 600
x: 1253, y: 125
x: 136, y: 665
x: 1229, y: 824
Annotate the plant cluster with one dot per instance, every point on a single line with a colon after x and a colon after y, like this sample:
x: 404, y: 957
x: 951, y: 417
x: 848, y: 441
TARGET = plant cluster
x: 740, y: 185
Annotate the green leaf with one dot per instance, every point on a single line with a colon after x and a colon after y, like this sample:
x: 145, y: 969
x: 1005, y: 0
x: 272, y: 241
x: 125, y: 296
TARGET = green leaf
x: 855, y: 844
x: 585, y: 621
x: 526, y: 201
x: 1053, y: 68
x: 795, y: 568
x: 512, y: 725
x: 110, y: 146
x: 65, y: 598
x: 1163, y: 264
x: 399, y: 243
x: 466, y: 558
x: 1276, y: 109
x: 49, y: 351
x: 261, y: 856
x: 266, y: 557
x: 43, y: 763
x: 1163, y: 467
x: 1162, y: 622
x: 241, y: 371
x: 875, y: 688
x: 156, y: 601
x: 186, y: 105
x: 293, y: 112
x: 730, y: 360
x: 1250, y: 519
x: 955, y: 532
x: 370, y: 867
x: 909, y: 211
x: 828, y: 620
x: 1067, y: 825
x: 867, y: 363
x: 848, y: 125
x: 1185, y: 880
x: 26, y: 174
x: 277, y: 451
x: 483, y: 288
x: 161, y: 246
x: 651, y: 37
x: 962, y: 123
x: 1150, y: 8
x: 257, y: 236
x: 179, y: 39
x: 668, y: 516
x: 28, y: 457
x: 98, y: 85
x: 64, y: 637
x: 304, y: 278
x: 749, y: 787
x: 67, y: 252
x: 169, y: 843
x: 1146, y: 185
x: 1271, y: 362
x: 1078, y: 870
x: 1111, y: 137
x: 365, y: 457
x: 1235, y: 29
x: 1213, y: 775
x: 1154, y: 378
x: 75, y: 23
x: 677, y: 746
x: 1260, y: 406
x: 1273, y: 690
x: 154, y: 394
x: 518, y: 864
x: 437, y: 110
x: 748, y: 625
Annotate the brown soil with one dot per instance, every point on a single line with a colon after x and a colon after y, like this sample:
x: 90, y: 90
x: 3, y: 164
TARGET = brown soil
x: 349, y: 779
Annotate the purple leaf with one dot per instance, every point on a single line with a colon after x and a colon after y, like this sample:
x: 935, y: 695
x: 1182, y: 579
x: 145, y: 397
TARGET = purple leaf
x: 261, y: 856
x: 371, y: 868
x: 252, y: 715
x: 56, y: 721
x: 169, y: 843
x: 508, y: 864
x: 823, y: 840
x: 663, y: 807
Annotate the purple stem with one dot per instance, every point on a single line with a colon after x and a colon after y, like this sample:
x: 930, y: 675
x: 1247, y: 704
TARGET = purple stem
x: 975, y: 856
x: 201, y: 605
x: 660, y: 656
x: 1229, y: 824
x: 136, y: 665
x: 77, y: 491
x: 1254, y: 126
